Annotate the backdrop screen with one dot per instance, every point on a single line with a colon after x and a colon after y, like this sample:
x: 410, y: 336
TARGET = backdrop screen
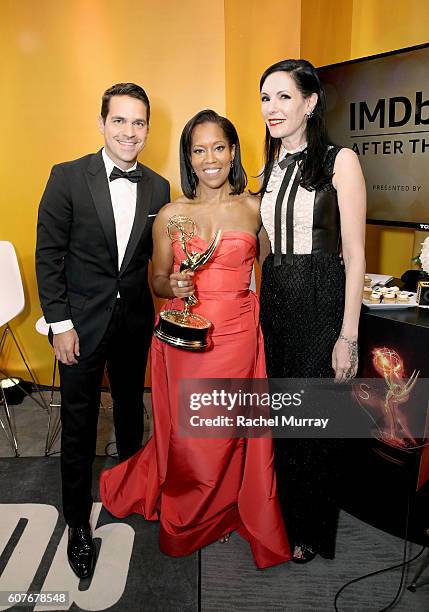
x: 379, y: 107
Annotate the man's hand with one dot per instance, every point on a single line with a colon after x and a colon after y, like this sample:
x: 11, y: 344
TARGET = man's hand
x: 66, y: 347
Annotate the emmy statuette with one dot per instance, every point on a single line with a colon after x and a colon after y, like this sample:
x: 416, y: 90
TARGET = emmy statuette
x: 182, y: 328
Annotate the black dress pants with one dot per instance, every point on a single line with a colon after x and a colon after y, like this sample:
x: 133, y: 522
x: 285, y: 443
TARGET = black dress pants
x: 125, y: 353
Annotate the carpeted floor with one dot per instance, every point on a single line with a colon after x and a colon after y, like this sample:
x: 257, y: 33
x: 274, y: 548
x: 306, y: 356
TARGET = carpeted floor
x: 230, y: 582
x: 132, y: 575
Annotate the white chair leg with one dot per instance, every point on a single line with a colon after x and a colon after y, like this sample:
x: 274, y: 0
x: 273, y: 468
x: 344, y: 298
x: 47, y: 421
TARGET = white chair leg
x: 54, y: 423
x: 42, y: 402
x: 9, y: 426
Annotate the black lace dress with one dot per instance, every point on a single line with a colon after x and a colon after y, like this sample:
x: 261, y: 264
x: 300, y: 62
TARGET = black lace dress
x: 302, y: 305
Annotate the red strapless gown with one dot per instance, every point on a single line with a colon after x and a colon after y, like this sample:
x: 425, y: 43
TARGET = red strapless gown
x: 200, y: 489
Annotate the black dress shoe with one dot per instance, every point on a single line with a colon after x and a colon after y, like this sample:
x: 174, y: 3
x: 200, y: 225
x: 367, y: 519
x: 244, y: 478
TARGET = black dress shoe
x: 81, y: 551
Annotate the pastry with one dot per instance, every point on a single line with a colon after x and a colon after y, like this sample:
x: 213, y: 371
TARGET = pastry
x: 375, y: 297
x: 389, y: 298
x: 403, y: 297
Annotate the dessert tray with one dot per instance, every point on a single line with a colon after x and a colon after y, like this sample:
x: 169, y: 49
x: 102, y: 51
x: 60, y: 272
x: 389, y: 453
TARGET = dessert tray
x: 391, y: 305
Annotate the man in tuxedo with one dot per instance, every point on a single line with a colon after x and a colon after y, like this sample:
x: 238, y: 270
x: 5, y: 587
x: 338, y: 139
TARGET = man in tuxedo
x: 93, y: 246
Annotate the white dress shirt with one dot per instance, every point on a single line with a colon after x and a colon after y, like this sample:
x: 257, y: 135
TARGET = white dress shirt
x: 123, y: 194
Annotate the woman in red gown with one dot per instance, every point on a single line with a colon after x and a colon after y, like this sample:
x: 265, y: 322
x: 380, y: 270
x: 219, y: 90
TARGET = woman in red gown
x: 203, y: 489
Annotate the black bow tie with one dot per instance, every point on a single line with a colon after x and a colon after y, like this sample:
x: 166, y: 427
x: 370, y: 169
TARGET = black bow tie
x: 133, y: 175
x: 288, y: 163
x: 290, y: 158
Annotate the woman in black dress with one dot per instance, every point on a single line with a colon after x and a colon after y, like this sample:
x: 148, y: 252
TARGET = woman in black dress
x: 313, y: 211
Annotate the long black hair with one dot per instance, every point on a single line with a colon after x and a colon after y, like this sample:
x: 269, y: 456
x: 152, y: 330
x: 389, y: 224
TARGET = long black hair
x: 237, y: 176
x: 314, y: 173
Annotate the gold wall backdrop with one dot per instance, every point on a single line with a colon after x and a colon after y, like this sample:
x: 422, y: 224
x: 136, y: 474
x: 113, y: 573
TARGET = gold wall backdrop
x: 57, y: 59
x: 256, y: 36
x: 334, y: 31
x: 326, y: 31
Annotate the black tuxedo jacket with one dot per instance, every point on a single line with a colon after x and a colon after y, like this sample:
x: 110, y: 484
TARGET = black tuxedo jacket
x: 76, y: 254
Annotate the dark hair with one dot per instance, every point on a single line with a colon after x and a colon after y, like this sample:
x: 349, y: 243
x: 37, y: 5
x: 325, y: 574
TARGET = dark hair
x: 314, y: 173
x: 124, y: 89
x: 237, y: 176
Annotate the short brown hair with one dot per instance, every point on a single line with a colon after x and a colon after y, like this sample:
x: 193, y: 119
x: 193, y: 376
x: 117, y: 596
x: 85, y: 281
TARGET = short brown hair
x: 124, y: 89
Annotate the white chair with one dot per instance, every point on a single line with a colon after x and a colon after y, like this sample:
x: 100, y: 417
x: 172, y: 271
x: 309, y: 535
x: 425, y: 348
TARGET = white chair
x: 54, y: 422
x: 12, y: 303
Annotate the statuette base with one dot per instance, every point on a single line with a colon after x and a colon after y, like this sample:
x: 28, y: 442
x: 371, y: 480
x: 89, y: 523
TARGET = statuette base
x: 189, y: 332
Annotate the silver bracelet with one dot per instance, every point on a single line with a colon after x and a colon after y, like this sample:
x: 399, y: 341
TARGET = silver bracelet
x: 353, y: 353
x: 349, y: 341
